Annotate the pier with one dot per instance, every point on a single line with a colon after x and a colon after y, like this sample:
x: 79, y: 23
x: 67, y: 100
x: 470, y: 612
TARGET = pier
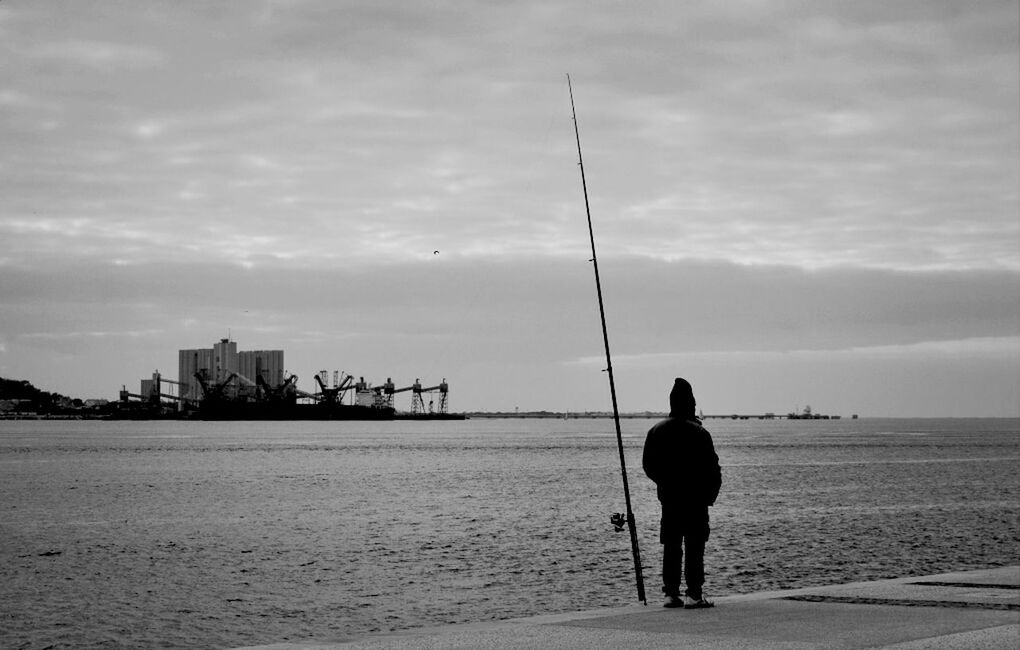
x: 972, y: 609
x: 771, y: 416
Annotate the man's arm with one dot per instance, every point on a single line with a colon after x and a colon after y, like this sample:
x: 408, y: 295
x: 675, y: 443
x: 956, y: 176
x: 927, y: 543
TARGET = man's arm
x: 713, y: 475
x: 649, y: 457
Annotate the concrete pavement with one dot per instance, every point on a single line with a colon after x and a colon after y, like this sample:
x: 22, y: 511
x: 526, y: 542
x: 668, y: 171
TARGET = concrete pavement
x: 972, y: 610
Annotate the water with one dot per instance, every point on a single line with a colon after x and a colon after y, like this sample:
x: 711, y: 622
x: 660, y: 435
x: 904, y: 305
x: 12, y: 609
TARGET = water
x: 173, y: 534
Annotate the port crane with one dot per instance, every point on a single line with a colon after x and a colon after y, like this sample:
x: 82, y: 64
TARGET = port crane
x: 335, y: 394
x: 211, y: 391
x: 388, y: 390
x: 418, y: 403
x: 285, y: 392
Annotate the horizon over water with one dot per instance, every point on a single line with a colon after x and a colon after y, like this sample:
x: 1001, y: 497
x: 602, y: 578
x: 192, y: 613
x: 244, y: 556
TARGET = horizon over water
x: 224, y: 534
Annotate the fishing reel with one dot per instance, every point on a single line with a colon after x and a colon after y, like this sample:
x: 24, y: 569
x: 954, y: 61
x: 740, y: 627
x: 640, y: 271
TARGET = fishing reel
x: 618, y: 520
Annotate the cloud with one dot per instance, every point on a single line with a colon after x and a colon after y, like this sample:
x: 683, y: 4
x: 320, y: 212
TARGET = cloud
x: 817, y: 135
x: 652, y: 307
x: 100, y: 55
x: 1002, y: 347
x: 993, y: 348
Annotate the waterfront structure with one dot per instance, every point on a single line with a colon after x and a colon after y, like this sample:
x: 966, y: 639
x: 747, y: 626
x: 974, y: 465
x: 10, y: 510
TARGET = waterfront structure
x: 190, y: 363
x: 223, y: 383
x: 267, y: 364
x: 223, y: 360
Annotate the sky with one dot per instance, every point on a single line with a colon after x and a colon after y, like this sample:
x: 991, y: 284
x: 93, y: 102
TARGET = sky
x: 793, y: 203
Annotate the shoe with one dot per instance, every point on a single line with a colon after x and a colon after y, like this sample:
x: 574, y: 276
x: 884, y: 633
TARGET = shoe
x: 698, y: 603
x: 673, y: 601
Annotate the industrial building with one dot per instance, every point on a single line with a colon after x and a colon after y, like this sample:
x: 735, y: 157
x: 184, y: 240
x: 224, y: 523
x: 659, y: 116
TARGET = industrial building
x: 221, y: 361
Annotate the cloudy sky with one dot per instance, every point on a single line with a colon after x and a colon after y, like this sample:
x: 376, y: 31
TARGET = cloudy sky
x: 794, y: 202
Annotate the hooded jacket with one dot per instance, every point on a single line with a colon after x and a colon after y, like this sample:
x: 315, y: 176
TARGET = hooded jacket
x: 679, y: 455
x: 680, y: 458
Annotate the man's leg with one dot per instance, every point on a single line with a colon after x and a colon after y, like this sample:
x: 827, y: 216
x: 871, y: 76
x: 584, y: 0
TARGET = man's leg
x: 672, y: 564
x: 694, y: 570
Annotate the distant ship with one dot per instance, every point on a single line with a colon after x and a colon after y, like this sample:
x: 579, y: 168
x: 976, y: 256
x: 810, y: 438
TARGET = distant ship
x: 807, y: 414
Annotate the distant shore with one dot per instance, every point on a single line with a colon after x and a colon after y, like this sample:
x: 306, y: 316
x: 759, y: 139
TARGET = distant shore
x: 639, y: 415
x: 470, y: 415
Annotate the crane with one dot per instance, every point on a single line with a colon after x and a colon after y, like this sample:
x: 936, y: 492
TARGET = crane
x: 388, y: 390
x: 335, y: 394
x: 285, y: 392
x: 418, y: 404
x: 214, y: 393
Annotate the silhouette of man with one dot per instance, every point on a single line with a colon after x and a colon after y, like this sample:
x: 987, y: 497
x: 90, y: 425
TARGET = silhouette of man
x: 680, y: 458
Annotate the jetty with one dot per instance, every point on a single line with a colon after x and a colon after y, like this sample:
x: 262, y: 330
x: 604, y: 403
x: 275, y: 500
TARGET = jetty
x: 972, y: 609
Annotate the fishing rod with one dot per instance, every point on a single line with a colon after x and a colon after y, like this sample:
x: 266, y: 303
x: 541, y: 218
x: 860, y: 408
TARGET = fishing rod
x: 631, y: 523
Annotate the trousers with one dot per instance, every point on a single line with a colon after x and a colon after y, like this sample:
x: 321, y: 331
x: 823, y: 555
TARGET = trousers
x: 674, y: 566
x: 683, y: 532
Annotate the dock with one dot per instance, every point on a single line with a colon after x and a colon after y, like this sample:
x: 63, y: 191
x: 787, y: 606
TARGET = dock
x: 972, y: 610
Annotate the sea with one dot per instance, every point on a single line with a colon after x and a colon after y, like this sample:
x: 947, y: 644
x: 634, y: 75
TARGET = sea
x: 162, y: 534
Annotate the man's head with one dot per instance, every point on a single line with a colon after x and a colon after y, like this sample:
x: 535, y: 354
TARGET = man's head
x: 681, y: 398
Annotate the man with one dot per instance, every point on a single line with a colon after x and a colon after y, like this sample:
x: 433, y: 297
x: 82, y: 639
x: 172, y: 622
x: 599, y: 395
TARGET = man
x: 680, y: 458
